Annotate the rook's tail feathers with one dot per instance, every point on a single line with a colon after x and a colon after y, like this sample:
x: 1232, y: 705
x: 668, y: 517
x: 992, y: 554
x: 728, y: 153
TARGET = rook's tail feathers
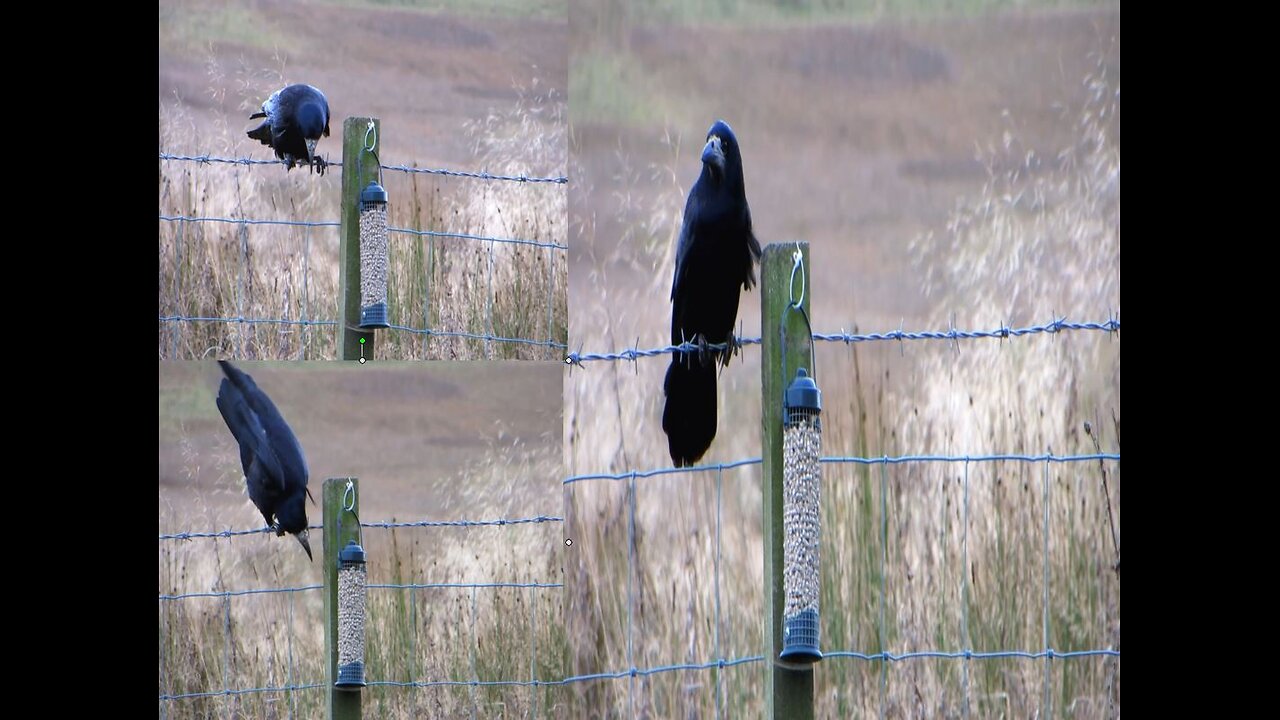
x: 689, y: 418
x: 262, y: 133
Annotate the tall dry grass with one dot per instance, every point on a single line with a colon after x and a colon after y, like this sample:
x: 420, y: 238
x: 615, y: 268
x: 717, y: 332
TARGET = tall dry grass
x: 424, y: 635
x: 914, y: 557
x: 229, y: 270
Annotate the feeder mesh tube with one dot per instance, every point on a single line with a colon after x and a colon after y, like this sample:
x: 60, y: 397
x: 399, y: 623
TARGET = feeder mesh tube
x: 351, y: 600
x: 373, y: 255
x: 801, y: 490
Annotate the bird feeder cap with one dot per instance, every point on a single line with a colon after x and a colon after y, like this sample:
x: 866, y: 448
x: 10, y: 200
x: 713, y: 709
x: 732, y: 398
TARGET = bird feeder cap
x: 803, y: 393
x: 374, y: 194
x: 352, y: 553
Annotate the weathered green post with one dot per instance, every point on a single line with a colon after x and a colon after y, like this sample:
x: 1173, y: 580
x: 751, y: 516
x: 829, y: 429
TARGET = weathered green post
x: 341, y: 526
x: 359, y: 168
x: 788, y: 689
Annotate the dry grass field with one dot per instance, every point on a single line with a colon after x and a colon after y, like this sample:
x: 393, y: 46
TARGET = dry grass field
x: 477, y: 90
x: 948, y: 169
x: 434, y: 441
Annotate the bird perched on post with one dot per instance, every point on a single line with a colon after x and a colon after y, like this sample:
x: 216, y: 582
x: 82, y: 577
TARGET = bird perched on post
x: 716, y: 255
x: 274, y: 469
x: 296, y: 117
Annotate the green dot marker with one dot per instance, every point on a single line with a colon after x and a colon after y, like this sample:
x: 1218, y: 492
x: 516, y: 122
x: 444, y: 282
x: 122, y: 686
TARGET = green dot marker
x: 361, y: 341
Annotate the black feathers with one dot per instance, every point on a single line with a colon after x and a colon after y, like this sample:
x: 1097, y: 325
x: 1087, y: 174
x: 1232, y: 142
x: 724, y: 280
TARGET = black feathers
x: 715, y: 259
x: 274, y: 469
x: 296, y: 117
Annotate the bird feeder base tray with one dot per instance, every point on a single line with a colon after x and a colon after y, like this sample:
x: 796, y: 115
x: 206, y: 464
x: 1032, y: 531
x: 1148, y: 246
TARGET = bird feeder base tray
x: 374, y: 317
x: 800, y: 638
x: 351, y: 676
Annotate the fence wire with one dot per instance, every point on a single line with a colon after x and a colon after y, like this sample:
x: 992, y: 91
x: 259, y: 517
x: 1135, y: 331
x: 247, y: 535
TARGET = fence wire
x: 966, y: 654
x: 226, y: 595
x: 176, y: 318
x: 473, y: 174
x: 1047, y: 653
x: 1057, y: 325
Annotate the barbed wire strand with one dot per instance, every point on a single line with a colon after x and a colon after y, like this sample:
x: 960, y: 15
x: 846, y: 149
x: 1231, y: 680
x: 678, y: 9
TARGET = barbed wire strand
x: 474, y: 175
x: 497, y: 522
x: 888, y: 460
x: 241, y: 222
x: 720, y: 663
x: 1059, y: 325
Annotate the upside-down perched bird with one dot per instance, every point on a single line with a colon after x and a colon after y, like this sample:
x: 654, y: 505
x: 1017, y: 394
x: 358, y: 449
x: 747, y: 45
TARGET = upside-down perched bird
x: 274, y: 469
x: 296, y: 117
x: 715, y: 259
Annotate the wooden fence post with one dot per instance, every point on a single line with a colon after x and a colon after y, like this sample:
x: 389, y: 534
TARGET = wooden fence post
x: 340, y: 527
x: 788, y: 691
x: 359, y: 167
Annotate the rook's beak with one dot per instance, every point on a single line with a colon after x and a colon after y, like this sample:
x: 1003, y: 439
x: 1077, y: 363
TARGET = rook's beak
x: 713, y: 156
x: 311, y: 149
x: 306, y: 543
